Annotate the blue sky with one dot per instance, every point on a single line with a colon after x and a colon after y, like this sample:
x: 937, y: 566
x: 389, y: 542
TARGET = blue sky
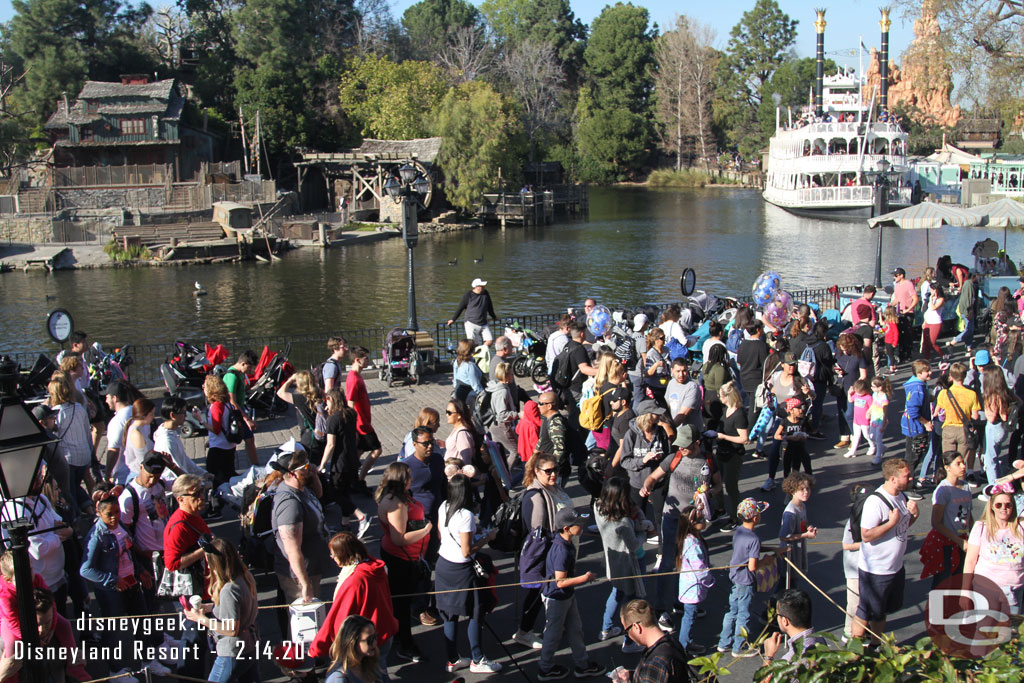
x: 848, y: 20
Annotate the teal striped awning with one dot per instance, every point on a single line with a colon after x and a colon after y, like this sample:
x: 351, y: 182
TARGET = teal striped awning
x: 926, y: 216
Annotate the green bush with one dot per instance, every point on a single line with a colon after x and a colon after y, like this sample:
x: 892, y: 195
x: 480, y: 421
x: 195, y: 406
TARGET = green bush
x: 134, y: 252
x: 686, y: 178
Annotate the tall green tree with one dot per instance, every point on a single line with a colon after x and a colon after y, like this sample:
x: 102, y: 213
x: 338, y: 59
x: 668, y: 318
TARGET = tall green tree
x: 62, y: 43
x: 549, y: 22
x: 615, y: 132
x: 481, y: 135
x: 757, y: 45
x: 390, y: 101
x: 431, y: 23
x: 213, y: 43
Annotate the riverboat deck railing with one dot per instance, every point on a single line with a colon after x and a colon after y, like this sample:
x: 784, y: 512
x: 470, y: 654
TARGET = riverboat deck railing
x: 308, y: 350
x: 830, y: 196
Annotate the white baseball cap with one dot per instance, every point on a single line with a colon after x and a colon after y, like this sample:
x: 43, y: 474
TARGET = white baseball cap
x: 479, y: 283
x: 639, y: 320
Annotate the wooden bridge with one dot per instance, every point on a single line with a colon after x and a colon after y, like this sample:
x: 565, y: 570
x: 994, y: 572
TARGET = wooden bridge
x: 535, y: 208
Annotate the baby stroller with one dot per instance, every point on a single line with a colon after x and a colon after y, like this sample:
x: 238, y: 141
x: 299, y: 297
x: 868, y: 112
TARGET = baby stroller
x: 530, y: 361
x: 401, y: 361
x: 271, y: 371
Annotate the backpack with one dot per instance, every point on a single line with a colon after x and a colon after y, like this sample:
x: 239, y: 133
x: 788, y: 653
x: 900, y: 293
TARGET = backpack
x: 858, y: 496
x: 676, y: 349
x: 561, y: 375
x: 257, y: 528
x: 593, y: 473
x: 808, y: 363
x: 235, y: 430
x: 732, y: 342
x: 318, y: 374
x: 508, y: 523
x: 592, y: 411
x: 483, y: 412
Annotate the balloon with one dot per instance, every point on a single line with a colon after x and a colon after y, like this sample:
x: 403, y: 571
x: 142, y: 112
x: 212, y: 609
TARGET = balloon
x: 778, y: 309
x: 599, y: 320
x: 766, y: 286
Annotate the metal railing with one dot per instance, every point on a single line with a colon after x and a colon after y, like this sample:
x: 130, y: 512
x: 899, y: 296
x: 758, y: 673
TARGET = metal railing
x: 309, y: 350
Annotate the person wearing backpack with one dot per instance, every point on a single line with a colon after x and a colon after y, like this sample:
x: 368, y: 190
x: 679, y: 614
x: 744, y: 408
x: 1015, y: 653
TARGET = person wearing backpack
x: 823, y: 377
x: 301, y: 391
x: 332, y: 369
x: 235, y: 380
x: 220, y: 450
x: 885, y: 517
x: 502, y: 412
x: 144, y: 512
x: 542, y: 499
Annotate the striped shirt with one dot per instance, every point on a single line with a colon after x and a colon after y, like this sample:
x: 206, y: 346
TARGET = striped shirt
x: 74, y: 433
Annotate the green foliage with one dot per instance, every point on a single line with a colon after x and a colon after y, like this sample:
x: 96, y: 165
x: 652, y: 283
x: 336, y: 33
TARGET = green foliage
x: 615, y: 130
x: 210, y: 22
x: 540, y: 21
x: 481, y: 135
x: 390, y: 101
x: 788, y: 87
x: 61, y: 43
x: 429, y: 24
x: 664, y: 177
x: 134, y: 252
x: 758, y: 44
x: 1012, y: 145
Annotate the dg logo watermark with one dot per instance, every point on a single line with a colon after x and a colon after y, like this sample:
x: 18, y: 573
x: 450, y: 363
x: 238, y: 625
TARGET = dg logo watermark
x: 968, y: 616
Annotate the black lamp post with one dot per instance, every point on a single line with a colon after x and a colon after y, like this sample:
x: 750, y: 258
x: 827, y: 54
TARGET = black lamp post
x: 22, y: 444
x: 880, y: 207
x: 407, y: 189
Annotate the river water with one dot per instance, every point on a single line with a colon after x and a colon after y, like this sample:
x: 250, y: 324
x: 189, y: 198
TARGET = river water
x: 630, y: 251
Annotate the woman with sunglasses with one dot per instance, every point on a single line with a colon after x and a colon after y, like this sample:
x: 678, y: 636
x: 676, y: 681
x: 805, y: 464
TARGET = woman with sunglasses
x: 355, y: 654
x: 995, y: 548
x: 183, y: 554
x: 406, y: 532
x: 543, y: 498
x: 461, y: 441
x: 656, y: 366
x: 234, y: 610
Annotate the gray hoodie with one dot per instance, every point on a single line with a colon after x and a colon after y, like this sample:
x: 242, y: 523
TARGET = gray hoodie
x: 635, y: 447
x: 503, y: 405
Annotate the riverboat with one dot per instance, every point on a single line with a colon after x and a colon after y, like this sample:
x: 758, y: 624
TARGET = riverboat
x: 826, y: 166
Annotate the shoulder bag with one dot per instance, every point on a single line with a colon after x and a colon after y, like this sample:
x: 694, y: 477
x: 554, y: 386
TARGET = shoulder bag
x: 972, y: 437
x: 174, y: 583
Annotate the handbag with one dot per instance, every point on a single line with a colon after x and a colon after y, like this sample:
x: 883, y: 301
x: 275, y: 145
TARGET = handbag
x: 972, y: 436
x: 175, y: 583
x: 766, y: 576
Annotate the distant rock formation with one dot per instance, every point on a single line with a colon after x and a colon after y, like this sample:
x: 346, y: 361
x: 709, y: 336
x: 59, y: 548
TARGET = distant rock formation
x: 926, y: 79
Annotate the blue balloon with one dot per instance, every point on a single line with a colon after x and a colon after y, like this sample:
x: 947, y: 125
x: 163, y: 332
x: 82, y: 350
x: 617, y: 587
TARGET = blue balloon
x: 599, y: 320
x: 766, y: 287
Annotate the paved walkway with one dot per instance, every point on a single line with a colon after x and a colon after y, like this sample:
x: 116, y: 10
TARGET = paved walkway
x: 394, y: 410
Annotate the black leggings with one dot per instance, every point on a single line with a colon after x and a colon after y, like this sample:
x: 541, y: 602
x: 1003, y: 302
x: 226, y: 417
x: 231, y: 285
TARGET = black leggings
x: 403, y: 577
x: 796, y: 454
x: 220, y: 462
x: 532, y: 604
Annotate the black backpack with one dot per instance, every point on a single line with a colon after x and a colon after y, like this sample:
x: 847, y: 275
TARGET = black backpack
x: 561, y: 373
x: 483, y: 411
x: 236, y: 425
x: 508, y: 523
x: 859, y: 495
x: 318, y: 374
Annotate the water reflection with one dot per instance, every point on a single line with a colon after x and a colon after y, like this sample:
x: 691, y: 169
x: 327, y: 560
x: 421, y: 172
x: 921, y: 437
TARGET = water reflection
x: 631, y: 250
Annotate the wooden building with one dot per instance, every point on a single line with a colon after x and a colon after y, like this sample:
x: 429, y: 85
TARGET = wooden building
x: 133, y: 122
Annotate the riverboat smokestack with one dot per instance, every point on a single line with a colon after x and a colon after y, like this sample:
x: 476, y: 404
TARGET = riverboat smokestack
x: 819, y: 78
x: 883, y: 64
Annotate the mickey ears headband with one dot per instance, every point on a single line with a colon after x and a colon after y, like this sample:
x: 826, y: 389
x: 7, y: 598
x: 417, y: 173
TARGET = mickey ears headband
x: 100, y: 496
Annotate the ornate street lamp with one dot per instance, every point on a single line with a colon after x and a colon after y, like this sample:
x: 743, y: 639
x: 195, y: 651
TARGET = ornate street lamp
x: 880, y: 206
x: 22, y: 444
x: 408, y: 189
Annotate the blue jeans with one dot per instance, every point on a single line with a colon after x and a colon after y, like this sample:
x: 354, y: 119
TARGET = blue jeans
x: 667, y: 585
x: 995, y: 434
x: 735, y: 620
x: 611, y: 609
x: 689, y: 612
x: 875, y: 431
x: 451, y: 645
x: 929, y: 457
x: 231, y: 670
x: 967, y: 336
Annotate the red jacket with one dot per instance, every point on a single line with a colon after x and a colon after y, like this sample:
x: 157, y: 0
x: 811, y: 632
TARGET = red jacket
x: 366, y: 593
x: 528, y: 430
x: 181, y: 536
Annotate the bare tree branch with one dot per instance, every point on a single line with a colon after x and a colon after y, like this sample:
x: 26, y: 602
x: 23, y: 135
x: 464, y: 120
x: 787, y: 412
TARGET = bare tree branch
x: 466, y: 56
x: 537, y: 79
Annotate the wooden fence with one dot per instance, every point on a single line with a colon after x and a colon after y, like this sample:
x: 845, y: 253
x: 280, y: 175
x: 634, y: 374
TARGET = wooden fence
x: 100, y: 176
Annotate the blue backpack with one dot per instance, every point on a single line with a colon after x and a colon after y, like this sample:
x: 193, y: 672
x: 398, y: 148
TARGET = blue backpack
x: 675, y: 349
x: 732, y: 342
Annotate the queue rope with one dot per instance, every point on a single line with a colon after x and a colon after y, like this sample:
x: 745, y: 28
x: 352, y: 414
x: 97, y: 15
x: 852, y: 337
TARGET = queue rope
x: 596, y: 581
x: 829, y: 598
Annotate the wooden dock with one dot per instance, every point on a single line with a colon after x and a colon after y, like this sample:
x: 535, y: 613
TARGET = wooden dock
x: 46, y: 257
x: 535, y: 208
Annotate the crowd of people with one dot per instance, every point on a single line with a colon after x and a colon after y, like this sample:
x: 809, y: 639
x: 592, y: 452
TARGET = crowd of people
x: 657, y: 441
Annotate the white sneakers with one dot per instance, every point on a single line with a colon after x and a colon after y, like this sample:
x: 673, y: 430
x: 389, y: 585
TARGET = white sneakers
x: 527, y: 640
x: 485, y: 666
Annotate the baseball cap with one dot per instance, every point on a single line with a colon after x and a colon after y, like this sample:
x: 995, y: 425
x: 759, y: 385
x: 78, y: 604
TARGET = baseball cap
x: 154, y: 463
x: 685, y: 436
x: 789, y: 358
x: 289, y: 462
x: 619, y: 394
x: 749, y: 508
x: 793, y: 402
x: 118, y: 389
x: 639, y: 321
x: 479, y: 283
x: 899, y: 271
x: 982, y: 357
x: 568, y: 516
x: 41, y: 412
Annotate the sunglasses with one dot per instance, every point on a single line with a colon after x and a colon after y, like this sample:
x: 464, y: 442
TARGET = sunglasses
x: 1002, y: 506
x: 428, y: 442
x: 370, y: 640
x: 451, y: 412
x: 545, y: 403
x: 200, y: 494
x: 546, y: 470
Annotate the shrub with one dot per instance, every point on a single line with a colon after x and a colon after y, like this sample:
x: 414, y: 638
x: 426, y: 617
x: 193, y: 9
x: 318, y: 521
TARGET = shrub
x: 134, y: 252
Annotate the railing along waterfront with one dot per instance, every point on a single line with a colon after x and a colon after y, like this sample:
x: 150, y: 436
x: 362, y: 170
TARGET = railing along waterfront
x: 308, y: 350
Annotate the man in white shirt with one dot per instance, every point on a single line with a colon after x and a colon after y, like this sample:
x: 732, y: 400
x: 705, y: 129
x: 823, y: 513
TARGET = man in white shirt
x: 683, y: 397
x: 118, y: 395
x: 886, y: 516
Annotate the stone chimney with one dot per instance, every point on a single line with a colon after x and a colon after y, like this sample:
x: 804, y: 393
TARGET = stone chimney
x: 134, y: 79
